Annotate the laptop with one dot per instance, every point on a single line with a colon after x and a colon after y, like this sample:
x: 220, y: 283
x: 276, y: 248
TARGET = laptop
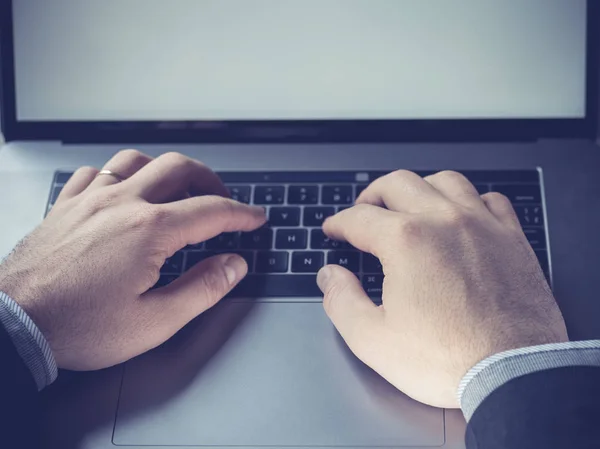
x: 298, y: 105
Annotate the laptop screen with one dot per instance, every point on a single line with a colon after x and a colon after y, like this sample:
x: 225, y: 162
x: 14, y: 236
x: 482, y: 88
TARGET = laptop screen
x: 130, y: 60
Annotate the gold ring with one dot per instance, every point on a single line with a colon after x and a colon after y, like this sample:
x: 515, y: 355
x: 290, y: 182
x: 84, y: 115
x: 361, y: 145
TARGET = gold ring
x: 117, y: 176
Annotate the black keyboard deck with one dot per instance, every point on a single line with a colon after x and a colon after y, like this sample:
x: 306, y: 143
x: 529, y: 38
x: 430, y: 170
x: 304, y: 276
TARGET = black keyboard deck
x: 284, y: 256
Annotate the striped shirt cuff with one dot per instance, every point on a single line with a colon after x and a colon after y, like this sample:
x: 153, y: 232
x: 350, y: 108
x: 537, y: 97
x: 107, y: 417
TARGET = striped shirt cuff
x: 29, y: 342
x: 495, y: 371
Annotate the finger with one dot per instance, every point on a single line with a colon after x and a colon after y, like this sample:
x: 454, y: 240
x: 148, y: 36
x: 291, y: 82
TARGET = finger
x: 80, y: 180
x: 124, y: 164
x: 358, y: 320
x: 195, y: 292
x: 364, y: 226
x: 200, y: 218
x: 401, y: 191
x: 456, y: 187
x: 501, y: 208
x: 171, y: 176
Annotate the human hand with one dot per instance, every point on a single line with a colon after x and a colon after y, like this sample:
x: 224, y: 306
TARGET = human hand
x: 84, y: 274
x: 461, y: 283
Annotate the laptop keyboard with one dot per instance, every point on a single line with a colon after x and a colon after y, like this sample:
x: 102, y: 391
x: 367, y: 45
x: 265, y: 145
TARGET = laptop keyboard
x: 284, y: 256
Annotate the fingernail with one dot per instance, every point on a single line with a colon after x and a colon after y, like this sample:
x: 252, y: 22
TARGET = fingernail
x: 323, y: 277
x: 235, y: 269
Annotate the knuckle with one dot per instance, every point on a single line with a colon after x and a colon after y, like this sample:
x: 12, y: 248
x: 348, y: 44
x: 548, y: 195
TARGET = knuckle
x: 85, y: 170
x: 399, y: 174
x: 457, y: 216
x: 228, y: 210
x: 96, y: 202
x: 219, y: 204
x: 214, y: 284
x: 132, y: 155
x: 362, y: 212
x: 408, y: 230
x: 224, y: 206
x: 361, y: 209
x: 331, y: 299
x: 175, y: 158
x: 497, y: 198
x: 153, y: 223
x: 154, y: 216
x: 144, y: 215
x: 450, y: 175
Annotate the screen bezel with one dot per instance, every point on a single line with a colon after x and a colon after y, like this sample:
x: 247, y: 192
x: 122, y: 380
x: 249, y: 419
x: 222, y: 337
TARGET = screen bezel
x: 296, y: 131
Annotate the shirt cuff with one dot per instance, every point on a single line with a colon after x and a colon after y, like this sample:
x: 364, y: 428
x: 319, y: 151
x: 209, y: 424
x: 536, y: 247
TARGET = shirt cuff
x: 29, y: 342
x: 495, y: 371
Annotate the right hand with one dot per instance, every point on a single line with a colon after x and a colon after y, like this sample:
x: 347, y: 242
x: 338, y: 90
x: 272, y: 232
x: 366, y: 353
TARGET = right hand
x: 461, y: 283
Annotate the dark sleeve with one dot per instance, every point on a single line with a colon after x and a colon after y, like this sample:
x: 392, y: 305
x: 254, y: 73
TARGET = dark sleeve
x: 19, y: 412
x: 552, y: 409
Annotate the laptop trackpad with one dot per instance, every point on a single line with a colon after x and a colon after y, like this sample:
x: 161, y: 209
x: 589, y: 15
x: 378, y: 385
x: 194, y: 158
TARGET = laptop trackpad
x: 265, y: 374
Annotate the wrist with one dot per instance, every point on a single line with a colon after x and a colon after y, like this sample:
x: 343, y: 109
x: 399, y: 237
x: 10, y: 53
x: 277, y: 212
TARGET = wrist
x: 29, y: 342
x: 494, y: 371
x: 21, y: 286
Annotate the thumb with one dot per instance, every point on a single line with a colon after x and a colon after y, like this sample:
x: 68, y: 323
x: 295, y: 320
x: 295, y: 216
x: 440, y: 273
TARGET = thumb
x: 199, y: 289
x: 355, y: 316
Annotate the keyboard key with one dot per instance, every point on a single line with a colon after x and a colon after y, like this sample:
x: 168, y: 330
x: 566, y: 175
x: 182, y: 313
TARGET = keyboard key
x: 277, y: 285
x: 272, y: 262
x: 347, y: 259
x: 284, y: 216
x: 269, y: 194
x: 165, y: 280
x: 315, y: 216
x: 536, y: 237
x: 303, y: 195
x: 291, y: 239
x: 359, y: 189
x: 225, y: 241
x: 240, y: 193
x: 371, y: 264
x: 307, y: 262
x: 530, y: 215
x: 195, y: 257
x: 260, y: 239
x: 173, y: 265
x: 318, y: 240
x: 373, y: 285
x: 519, y: 194
x: 337, y: 195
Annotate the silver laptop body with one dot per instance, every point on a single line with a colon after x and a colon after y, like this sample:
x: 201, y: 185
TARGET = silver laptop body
x: 280, y: 86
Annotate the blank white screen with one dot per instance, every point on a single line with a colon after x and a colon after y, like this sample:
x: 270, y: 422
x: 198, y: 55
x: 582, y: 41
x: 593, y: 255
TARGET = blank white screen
x: 299, y: 59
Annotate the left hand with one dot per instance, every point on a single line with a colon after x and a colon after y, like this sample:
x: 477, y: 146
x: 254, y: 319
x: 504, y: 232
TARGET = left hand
x: 84, y: 275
